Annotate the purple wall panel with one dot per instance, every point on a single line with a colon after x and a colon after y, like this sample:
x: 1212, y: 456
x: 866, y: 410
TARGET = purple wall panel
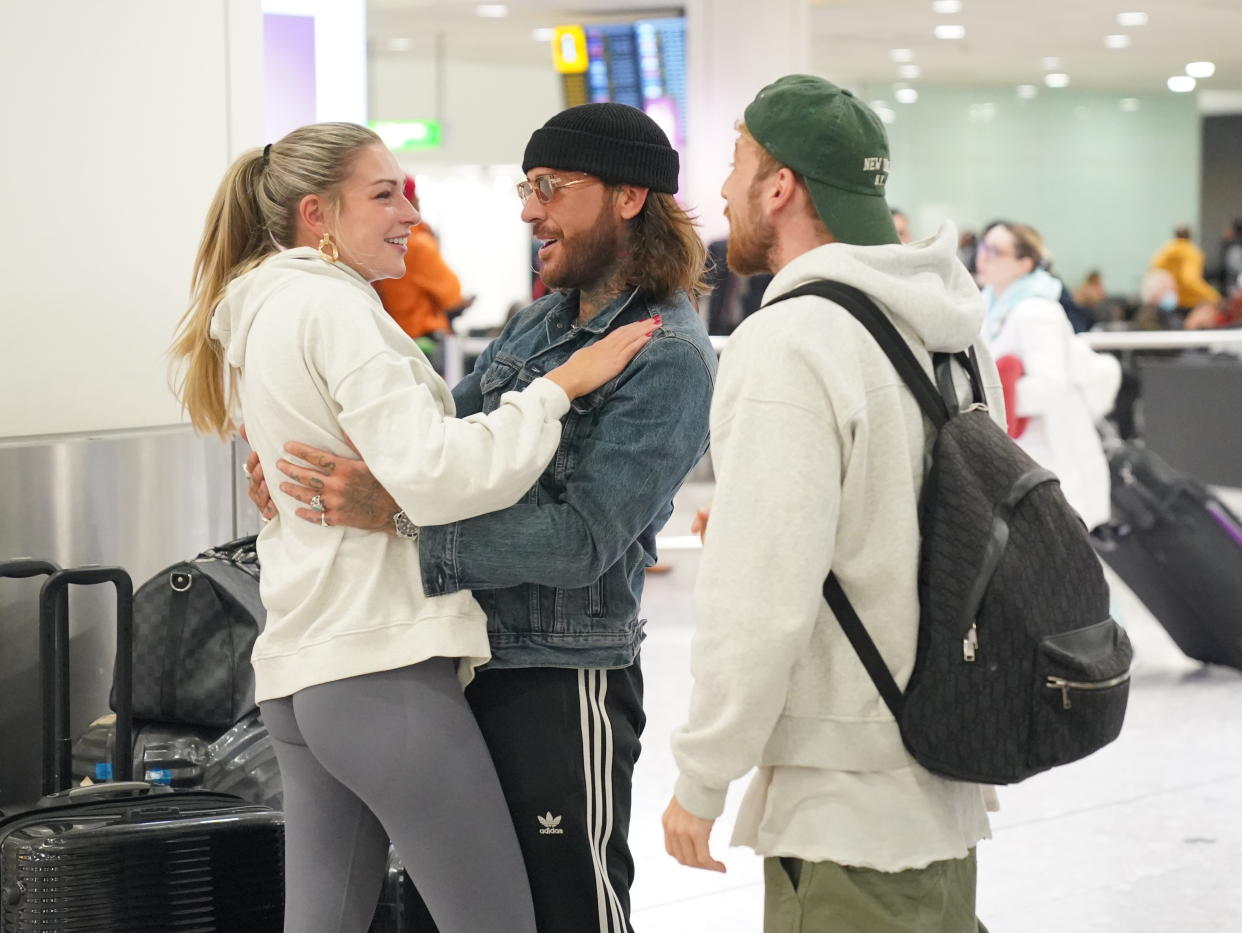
x: 288, y: 73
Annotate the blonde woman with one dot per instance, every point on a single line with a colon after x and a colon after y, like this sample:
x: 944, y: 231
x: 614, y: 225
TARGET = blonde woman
x: 358, y: 674
x: 1060, y: 385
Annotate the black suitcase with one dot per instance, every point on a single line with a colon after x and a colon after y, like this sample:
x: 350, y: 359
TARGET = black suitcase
x: 128, y: 856
x: 1180, y: 549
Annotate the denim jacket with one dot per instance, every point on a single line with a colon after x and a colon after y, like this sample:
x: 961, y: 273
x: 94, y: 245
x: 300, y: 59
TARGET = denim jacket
x: 560, y: 574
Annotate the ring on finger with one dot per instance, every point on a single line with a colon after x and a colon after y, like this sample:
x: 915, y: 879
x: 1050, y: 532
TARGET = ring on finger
x: 316, y: 503
x: 323, y: 519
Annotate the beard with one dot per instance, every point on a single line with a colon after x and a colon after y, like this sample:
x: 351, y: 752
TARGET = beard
x: 587, y: 258
x: 751, y: 241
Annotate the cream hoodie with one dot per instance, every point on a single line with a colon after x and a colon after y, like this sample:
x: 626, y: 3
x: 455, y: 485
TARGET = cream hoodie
x: 819, y: 451
x: 319, y: 359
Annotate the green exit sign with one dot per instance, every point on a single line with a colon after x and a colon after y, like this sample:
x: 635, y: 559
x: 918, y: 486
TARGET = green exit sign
x: 408, y: 135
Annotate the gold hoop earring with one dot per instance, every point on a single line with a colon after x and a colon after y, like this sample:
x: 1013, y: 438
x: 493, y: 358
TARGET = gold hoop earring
x: 327, y: 249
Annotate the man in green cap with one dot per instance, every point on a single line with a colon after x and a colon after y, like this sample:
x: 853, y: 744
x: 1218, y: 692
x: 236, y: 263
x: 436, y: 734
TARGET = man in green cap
x: 819, y: 452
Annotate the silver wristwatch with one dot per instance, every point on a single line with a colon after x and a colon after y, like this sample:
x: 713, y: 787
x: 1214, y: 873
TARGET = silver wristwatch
x: 405, y: 527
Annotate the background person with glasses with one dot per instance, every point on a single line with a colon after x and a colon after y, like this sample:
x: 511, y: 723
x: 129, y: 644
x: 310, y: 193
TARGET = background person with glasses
x: 560, y: 575
x: 1048, y: 374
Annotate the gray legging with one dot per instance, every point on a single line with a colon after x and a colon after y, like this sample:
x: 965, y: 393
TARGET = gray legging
x: 396, y: 754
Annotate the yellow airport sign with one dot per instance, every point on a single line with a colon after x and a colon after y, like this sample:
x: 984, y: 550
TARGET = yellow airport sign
x: 569, y: 51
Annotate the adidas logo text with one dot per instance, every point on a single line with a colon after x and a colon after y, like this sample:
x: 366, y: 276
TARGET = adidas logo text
x: 550, y: 825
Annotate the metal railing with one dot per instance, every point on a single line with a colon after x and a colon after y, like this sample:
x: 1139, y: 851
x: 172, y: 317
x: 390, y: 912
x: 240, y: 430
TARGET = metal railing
x: 456, y: 349
x: 1230, y: 340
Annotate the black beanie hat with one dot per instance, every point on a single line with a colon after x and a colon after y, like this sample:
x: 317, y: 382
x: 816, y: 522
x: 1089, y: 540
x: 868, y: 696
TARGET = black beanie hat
x: 614, y: 142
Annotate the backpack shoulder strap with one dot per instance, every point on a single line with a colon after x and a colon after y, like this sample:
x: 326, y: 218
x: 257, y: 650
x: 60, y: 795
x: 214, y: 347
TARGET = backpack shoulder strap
x: 942, y: 364
x: 864, y: 647
x: 864, y: 310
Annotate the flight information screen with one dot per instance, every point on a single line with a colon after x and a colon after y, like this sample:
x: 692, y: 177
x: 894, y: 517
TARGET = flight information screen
x: 642, y: 64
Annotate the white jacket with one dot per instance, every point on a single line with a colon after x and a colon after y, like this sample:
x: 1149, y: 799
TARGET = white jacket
x: 819, y: 449
x: 1065, y: 386
x: 319, y: 360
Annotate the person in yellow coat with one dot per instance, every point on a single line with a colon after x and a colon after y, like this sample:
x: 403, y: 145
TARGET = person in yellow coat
x: 420, y: 300
x: 1184, y: 261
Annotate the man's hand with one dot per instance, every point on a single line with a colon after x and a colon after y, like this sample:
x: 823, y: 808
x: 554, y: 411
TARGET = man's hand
x: 348, y: 492
x: 256, y: 487
x: 699, y: 525
x: 686, y: 838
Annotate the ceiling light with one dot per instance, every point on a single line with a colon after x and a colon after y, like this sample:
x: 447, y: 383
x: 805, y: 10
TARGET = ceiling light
x: 1201, y: 69
x: 1181, y: 84
x: 1028, y: 91
x: 906, y: 95
x: 950, y: 32
x: 1056, y: 79
x: 901, y: 55
x: 400, y: 45
x: 886, y: 114
x: 1051, y: 63
x: 1132, y: 19
x: 1117, y: 42
x: 909, y: 72
x: 543, y: 34
x: 1129, y: 104
x: 982, y: 113
x: 492, y: 10
x: 946, y: 7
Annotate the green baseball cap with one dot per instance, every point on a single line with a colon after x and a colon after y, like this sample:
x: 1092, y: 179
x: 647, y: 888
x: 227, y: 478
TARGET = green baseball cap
x: 839, y: 147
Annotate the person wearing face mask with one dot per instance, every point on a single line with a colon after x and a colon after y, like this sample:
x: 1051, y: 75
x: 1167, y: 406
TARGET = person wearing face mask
x: 1058, y: 386
x: 1182, y: 259
x: 358, y: 673
x: 1158, y: 302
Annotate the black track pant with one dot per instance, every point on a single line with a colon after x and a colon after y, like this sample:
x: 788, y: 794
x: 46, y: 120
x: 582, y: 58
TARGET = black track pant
x: 564, y: 743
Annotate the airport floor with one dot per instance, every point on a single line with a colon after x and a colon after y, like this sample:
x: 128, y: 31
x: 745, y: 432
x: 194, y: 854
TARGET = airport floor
x: 1145, y: 836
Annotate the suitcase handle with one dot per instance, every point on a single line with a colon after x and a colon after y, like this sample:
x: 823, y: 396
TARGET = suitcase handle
x: 27, y: 567
x: 22, y: 567
x: 116, y: 789
x: 54, y: 671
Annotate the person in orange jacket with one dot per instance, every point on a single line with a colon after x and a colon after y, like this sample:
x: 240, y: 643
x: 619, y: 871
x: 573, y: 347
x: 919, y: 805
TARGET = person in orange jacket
x: 1184, y: 261
x: 420, y: 301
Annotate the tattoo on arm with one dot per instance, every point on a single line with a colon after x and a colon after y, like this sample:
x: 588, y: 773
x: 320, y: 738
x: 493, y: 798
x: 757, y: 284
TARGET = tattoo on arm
x: 362, y: 498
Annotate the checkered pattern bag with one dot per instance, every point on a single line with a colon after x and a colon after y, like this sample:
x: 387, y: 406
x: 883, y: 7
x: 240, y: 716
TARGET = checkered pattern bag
x: 194, y: 625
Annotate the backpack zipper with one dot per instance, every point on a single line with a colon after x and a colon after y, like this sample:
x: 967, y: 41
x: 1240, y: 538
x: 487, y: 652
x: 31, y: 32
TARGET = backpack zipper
x: 1065, y: 686
x: 970, y: 643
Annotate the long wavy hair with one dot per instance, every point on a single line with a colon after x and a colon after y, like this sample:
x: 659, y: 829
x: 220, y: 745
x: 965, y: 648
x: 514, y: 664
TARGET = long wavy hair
x: 666, y: 253
x: 253, y: 214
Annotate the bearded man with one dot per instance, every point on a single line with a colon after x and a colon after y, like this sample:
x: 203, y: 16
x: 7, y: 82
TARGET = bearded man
x: 560, y: 574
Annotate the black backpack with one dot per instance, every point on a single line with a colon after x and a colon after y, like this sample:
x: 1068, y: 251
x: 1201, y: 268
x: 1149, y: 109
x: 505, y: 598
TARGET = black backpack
x: 194, y: 625
x: 1019, y: 666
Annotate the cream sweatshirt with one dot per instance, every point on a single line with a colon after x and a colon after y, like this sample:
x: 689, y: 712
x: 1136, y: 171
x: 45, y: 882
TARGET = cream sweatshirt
x: 320, y: 360
x: 819, y: 450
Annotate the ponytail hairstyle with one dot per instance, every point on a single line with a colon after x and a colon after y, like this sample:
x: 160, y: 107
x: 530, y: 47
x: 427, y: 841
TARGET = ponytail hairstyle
x: 253, y: 215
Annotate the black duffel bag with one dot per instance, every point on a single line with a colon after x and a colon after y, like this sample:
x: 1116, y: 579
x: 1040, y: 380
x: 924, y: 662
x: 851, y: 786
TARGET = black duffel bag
x: 194, y: 625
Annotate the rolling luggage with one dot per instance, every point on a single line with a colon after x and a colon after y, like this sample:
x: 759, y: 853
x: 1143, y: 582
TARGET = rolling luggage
x: 1179, y: 548
x: 238, y: 761
x: 127, y: 856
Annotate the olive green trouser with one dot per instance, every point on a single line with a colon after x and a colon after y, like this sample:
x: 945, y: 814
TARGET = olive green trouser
x: 824, y: 897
